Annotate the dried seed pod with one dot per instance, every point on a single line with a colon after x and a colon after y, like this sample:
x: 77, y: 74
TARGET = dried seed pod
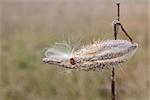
x: 96, y: 56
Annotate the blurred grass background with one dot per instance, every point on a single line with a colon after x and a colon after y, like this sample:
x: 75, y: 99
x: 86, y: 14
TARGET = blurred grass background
x: 29, y: 26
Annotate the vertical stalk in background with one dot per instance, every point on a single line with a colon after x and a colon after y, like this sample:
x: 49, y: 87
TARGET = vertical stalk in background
x: 113, y: 84
x: 113, y: 69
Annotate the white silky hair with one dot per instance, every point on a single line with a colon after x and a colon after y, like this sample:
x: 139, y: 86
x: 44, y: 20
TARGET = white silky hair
x: 60, y: 50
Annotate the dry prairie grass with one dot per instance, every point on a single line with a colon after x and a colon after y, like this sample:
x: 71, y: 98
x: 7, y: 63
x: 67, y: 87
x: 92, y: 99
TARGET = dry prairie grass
x: 27, y: 27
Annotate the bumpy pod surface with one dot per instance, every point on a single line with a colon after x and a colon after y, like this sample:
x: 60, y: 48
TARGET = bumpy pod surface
x: 96, y: 56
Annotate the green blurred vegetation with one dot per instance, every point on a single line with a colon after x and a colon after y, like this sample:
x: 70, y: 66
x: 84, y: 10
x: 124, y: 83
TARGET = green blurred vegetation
x: 29, y: 27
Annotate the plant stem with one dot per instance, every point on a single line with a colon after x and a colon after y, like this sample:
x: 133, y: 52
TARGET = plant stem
x: 113, y: 69
x: 113, y: 84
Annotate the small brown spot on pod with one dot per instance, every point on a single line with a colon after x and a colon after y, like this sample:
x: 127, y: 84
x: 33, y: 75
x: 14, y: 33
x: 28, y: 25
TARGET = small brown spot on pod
x: 72, y: 61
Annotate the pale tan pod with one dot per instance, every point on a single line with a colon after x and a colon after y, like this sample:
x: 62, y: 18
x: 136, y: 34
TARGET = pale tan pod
x: 96, y: 56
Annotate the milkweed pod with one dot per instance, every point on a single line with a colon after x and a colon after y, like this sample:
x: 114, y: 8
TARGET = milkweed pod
x: 96, y: 56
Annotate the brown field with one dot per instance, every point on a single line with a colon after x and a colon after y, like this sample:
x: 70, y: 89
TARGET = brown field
x: 28, y: 27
